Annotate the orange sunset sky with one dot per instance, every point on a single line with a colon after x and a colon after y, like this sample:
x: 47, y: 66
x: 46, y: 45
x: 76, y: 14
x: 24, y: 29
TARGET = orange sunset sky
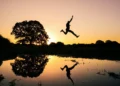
x: 93, y: 19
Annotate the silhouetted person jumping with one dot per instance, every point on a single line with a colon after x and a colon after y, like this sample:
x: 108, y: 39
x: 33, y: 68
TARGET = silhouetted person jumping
x: 68, y: 28
x: 68, y: 71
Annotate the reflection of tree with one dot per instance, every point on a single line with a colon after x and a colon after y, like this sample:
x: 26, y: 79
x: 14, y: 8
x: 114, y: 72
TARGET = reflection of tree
x: 31, y: 65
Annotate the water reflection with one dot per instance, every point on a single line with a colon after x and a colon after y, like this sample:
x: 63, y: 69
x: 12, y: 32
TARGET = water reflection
x: 13, y: 82
x: 68, y: 71
x: 114, y: 75
x: 30, y: 65
x: 1, y: 77
x: 82, y: 74
x: 110, y: 74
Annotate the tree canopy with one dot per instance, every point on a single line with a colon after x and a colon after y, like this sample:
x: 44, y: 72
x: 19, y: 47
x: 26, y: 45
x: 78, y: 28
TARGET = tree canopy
x: 99, y: 42
x: 30, y: 32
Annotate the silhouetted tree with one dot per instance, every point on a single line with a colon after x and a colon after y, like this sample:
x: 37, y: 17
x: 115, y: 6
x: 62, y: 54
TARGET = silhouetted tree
x: 3, y: 40
x: 115, y: 42
x: 60, y: 44
x: 30, y: 32
x: 4, y: 43
x: 52, y: 44
x: 108, y: 42
x: 99, y: 42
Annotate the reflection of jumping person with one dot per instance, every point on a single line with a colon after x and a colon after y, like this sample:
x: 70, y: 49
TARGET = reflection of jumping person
x: 68, y: 28
x: 68, y: 71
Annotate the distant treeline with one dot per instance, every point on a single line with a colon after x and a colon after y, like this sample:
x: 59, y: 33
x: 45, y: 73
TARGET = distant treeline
x: 100, y: 49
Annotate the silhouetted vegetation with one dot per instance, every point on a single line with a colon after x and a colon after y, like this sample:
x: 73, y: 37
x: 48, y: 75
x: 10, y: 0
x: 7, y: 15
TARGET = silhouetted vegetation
x: 99, y: 42
x: 100, y: 50
x: 4, y: 43
x: 6, y: 49
x: 30, y: 65
x: 30, y: 32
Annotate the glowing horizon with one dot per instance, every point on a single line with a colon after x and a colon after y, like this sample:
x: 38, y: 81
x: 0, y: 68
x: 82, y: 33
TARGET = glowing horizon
x: 93, y: 19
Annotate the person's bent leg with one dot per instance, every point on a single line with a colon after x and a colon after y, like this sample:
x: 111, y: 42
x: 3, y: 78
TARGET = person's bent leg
x: 64, y: 31
x: 73, y: 33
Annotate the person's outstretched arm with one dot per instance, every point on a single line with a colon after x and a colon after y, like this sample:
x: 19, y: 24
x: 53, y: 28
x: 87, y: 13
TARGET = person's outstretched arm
x: 71, y: 18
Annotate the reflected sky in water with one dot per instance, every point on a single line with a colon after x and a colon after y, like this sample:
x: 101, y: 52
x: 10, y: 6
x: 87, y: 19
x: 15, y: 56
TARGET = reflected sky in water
x: 88, y: 72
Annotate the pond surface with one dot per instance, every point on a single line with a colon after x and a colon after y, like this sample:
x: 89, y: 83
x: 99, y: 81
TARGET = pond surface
x: 59, y: 71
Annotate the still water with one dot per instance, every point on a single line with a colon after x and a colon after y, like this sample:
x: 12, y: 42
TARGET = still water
x: 59, y: 71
